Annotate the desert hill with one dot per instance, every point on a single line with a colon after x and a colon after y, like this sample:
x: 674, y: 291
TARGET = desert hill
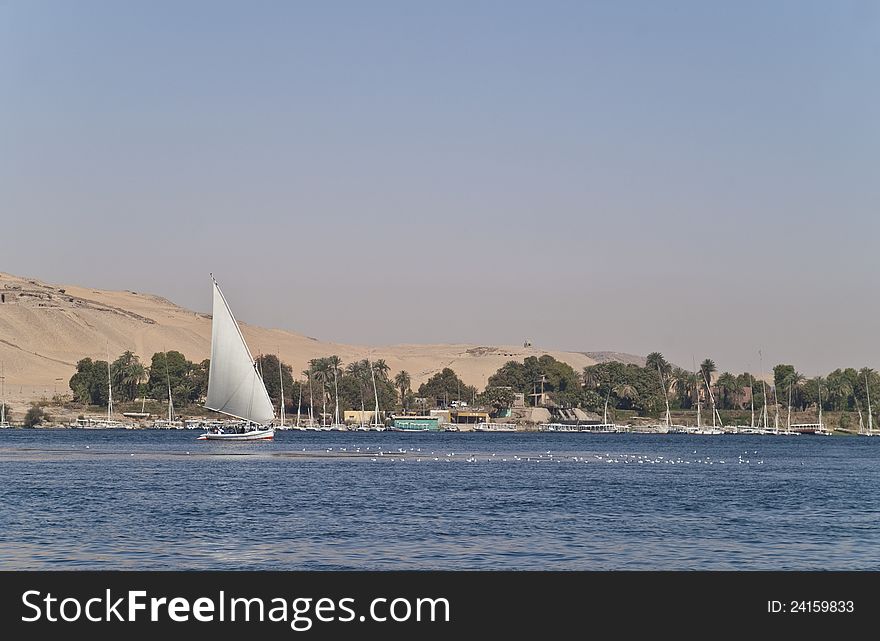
x: 45, y: 329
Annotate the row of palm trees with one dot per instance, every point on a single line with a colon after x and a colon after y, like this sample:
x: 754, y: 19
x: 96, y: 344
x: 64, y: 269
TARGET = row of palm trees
x: 842, y: 389
x: 326, y: 372
x: 687, y: 385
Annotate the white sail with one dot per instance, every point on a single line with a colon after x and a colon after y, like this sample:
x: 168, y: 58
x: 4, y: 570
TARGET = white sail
x: 234, y: 384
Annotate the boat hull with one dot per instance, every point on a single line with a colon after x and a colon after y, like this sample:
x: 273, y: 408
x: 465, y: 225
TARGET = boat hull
x: 253, y: 435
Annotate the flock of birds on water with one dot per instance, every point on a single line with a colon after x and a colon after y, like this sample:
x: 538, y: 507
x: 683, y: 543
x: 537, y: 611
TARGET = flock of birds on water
x: 417, y: 455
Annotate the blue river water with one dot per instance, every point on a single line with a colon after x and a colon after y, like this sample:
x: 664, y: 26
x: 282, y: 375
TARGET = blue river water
x: 74, y: 499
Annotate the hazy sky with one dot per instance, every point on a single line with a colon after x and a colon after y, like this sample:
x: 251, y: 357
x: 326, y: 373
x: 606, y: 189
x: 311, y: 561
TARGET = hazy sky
x: 699, y: 178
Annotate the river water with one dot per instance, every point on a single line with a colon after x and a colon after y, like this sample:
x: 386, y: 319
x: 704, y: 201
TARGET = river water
x: 74, y: 499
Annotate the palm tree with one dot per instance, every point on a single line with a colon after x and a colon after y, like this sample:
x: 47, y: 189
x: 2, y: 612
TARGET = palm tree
x: 403, y: 382
x: 381, y: 368
x: 591, y: 376
x: 657, y: 363
x: 335, y: 363
x: 309, y: 374
x: 321, y: 367
x: 686, y: 385
x: 707, y: 368
x: 127, y: 373
x: 360, y: 372
x: 627, y: 392
x: 729, y: 387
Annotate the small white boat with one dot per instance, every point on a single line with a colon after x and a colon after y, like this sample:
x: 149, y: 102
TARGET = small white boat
x: 495, y: 427
x: 168, y: 424
x: 99, y: 424
x: 235, y: 386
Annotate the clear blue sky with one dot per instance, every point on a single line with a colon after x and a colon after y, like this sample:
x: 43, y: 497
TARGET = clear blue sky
x: 699, y: 178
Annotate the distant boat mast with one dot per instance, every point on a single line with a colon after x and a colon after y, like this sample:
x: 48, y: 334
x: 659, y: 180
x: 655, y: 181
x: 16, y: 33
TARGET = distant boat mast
x: 109, y: 387
x: 764, y: 392
x: 752, y: 398
x: 788, y: 423
x: 281, y: 380
x: 2, y: 397
x: 168, y: 380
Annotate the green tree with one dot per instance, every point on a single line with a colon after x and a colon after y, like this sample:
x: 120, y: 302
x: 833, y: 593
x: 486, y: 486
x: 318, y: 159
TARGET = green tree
x: 707, y: 368
x: 381, y: 369
x: 656, y: 363
x: 729, y: 388
x: 268, y: 365
x: 335, y: 364
x: 127, y: 373
x: 500, y: 398
x: 322, y: 373
x: 356, y: 387
x: 89, y: 383
x: 513, y: 375
x: 445, y: 386
x: 627, y: 394
x: 355, y: 384
x: 403, y: 381
x: 36, y: 415
x: 188, y: 381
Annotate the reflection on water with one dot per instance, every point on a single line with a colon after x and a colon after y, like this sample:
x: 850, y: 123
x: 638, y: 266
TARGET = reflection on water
x: 161, y: 500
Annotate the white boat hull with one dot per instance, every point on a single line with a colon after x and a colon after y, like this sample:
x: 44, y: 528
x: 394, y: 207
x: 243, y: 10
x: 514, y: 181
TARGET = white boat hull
x: 253, y: 435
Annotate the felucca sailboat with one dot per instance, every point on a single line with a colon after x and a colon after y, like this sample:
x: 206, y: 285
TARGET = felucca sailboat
x: 235, y: 386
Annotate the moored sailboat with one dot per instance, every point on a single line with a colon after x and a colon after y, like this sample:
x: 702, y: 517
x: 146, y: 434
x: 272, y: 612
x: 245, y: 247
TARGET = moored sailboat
x: 235, y: 386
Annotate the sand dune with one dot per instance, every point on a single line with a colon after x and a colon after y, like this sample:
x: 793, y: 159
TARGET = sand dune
x: 45, y: 329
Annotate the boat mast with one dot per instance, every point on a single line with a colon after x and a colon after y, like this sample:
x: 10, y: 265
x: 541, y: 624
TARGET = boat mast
x: 281, y: 379
x: 2, y: 397
x: 109, y: 387
x: 605, y: 413
x: 819, y: 390
x: 665, y: 396
x: 752, y: 398
x: 775, y: 411
x: 870, y: 417
x: 311, y: 399
x: 699, y: 407
x: 168, y: 379
x: 788, y: 423
x: 861, y: 416
x: 712, y: 399
x: 299, y: 404
x: 375, y: 393
x: 764, y: 392
x: 336, y: 388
